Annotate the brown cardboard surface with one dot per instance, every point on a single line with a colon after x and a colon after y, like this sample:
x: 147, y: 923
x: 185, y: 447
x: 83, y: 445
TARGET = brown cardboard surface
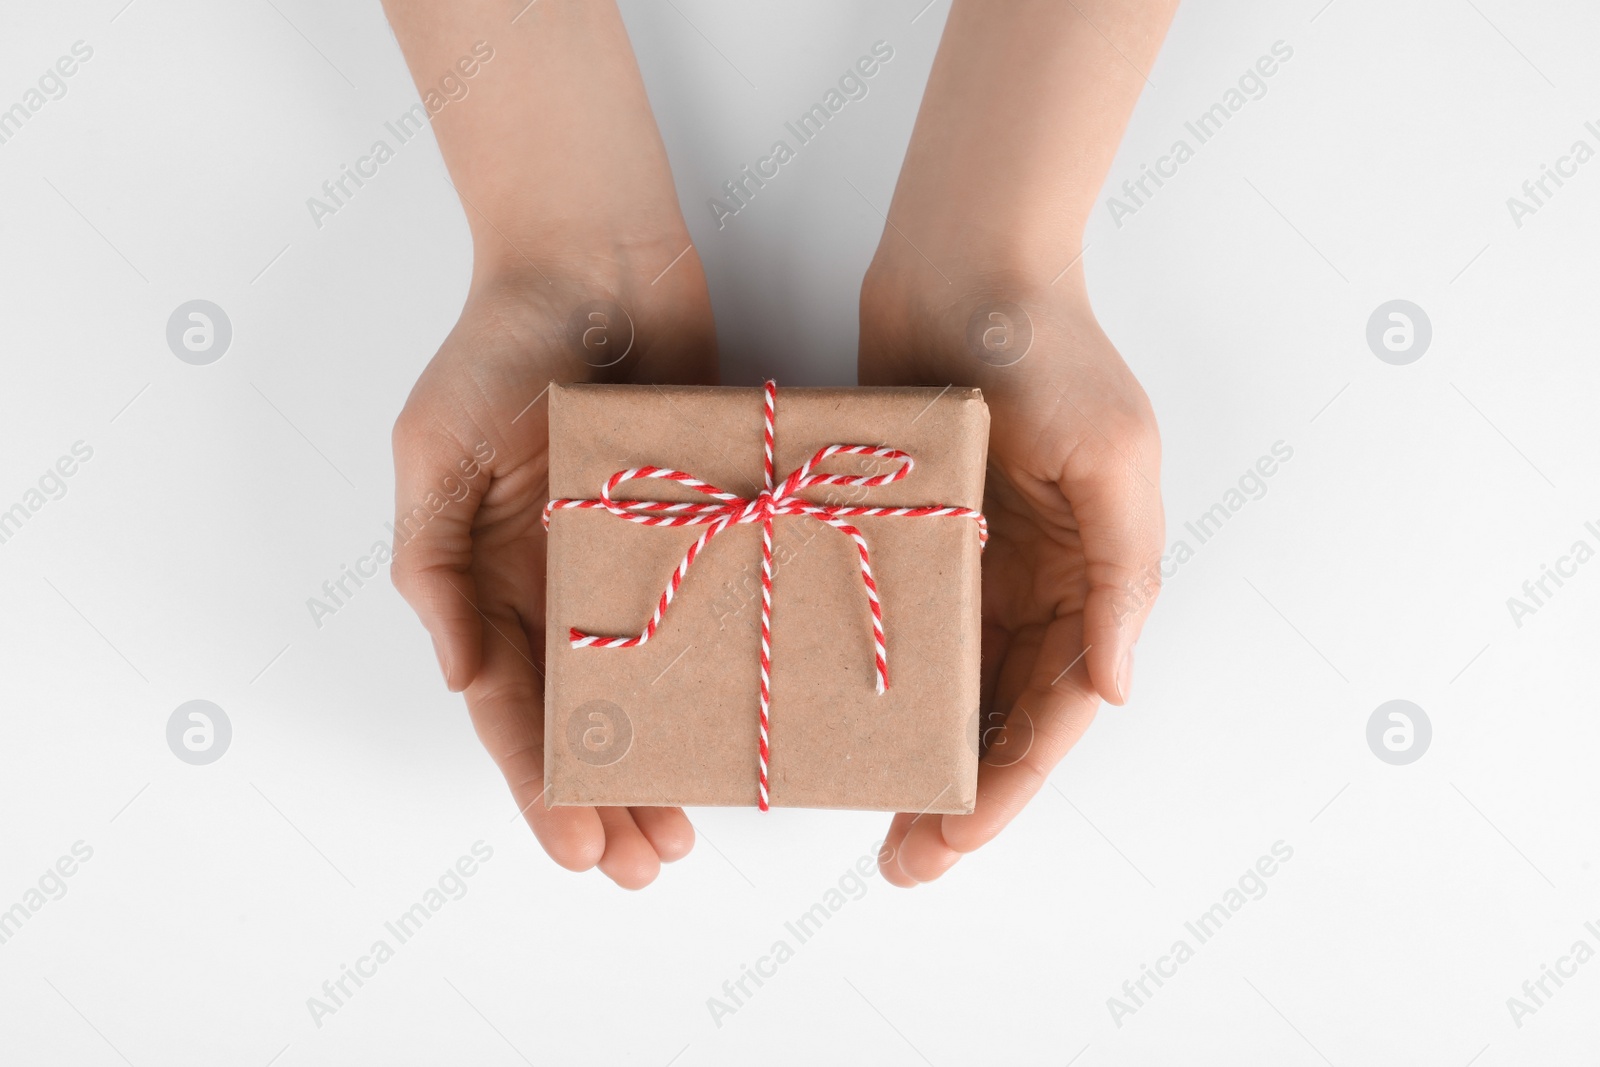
x: 676, y: 721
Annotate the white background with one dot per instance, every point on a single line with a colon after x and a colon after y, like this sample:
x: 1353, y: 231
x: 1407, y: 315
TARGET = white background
x: 1377, y: 566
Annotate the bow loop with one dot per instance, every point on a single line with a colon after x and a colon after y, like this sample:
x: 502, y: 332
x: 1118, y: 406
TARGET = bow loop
x: 803, y: 478
x: 667, y: 513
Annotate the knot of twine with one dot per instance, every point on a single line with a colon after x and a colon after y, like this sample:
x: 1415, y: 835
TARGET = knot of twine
x: 772, y: 501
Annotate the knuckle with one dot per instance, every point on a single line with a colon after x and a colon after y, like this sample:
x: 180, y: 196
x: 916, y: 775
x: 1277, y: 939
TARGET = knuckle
x: 502, y: 711
x: 1131, y: 429
x: 405, y: 576
x: 405, y: 430
x: 1032, y: 773
x: 417, y: 438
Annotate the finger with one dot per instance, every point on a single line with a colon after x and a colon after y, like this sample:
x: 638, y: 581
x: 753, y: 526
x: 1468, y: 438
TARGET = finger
x: 889, y: 853
x: 667, y: 829
x: 924, y: 854
x: 438, y: 484
x: 629, y: 860
x: 1113, y: 485
x: 506, y: 700
x: 1048, y: 718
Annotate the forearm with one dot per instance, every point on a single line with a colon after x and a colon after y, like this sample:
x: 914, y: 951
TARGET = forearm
x: 1024, y: 109
x: 552, y: 148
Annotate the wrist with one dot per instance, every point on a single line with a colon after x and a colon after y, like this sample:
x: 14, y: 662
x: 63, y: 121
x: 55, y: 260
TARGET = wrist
x: 993, y: 232
x: 598, y: 308
x: 904, y: 282
x: 552, y: 254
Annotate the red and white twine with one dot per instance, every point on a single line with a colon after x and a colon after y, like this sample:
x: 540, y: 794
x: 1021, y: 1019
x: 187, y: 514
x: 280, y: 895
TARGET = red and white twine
x: 774, y: 500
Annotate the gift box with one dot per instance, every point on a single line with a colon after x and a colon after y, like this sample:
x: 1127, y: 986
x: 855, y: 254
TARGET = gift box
x: 734, y: 574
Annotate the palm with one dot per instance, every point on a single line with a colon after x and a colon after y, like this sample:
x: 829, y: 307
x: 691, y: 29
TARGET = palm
x: 1033, y: 583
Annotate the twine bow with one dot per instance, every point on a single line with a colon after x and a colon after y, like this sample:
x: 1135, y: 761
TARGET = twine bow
x: 771, y: 502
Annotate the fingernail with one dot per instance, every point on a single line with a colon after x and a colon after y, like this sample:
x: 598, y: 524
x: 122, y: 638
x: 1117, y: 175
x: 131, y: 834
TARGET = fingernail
x: 1125, y: 674
x: 438, y: 654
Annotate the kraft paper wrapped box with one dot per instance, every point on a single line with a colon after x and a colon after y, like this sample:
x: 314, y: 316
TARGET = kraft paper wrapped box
x: 676, y: 720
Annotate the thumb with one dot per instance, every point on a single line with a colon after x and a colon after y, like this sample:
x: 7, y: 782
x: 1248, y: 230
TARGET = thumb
x: 1113, y: 485
x: 439, y: 482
